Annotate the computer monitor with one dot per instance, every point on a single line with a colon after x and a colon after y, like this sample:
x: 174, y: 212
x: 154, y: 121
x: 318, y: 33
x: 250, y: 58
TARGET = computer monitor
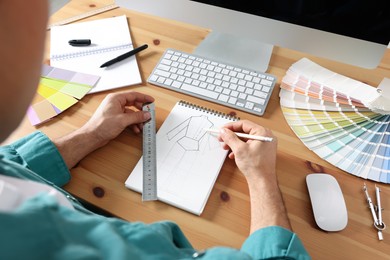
x: 362, y: 19
x: 345, y: 49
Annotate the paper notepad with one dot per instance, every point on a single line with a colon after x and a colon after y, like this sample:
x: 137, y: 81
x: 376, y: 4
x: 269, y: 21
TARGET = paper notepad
x: 110, y: 38
x: 188, y: 158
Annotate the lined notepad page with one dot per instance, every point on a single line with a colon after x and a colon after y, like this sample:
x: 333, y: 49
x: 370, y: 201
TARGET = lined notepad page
x: 188, y: 158
x: 110, y: 38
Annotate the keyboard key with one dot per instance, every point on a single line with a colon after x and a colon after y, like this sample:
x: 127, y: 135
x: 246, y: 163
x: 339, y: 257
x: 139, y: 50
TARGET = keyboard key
x: 242, y: 95
x: 163, y: 67
x: 176, y: 84
x: 234, y: 93
x: 200, y: 91
x: 223, y: 98
x: 249, y: 105
x: 232, y: 100
x: 241, y: 89
x: 257, y: 109
x: 249, y: 91
x: 210, y: 86
x: 226, y: 91
x: 233, y: 86
x: 218, y: 89
x: 210, y: 80
x: 240, y: 104
x: 265, y: 89
x: 257, y: 100
x: 166, y: 62
x: 153, y: 77
x: 195, y: 76
x: 266, y: 82
x: 168, y: 82
x: 203, y: 85
x: 188, y: 80
x: 160, y: 79
x: 195, y: 82
x: 162, y: 73
x: 260, y: 94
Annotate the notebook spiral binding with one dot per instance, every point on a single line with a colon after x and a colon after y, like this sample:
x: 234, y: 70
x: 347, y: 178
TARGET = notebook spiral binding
x: 208, y: 110
x: 90, y: 51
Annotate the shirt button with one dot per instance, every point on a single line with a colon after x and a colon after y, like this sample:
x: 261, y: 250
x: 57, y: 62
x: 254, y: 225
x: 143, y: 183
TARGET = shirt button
x: 198, y: 253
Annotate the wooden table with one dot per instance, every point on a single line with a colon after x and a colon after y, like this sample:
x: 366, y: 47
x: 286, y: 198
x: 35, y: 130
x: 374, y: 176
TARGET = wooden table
x: 99, y: 178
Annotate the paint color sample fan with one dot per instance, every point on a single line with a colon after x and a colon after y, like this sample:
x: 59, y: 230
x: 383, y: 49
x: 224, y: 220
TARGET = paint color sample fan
x: 344, y: 121
x: 58, y: 90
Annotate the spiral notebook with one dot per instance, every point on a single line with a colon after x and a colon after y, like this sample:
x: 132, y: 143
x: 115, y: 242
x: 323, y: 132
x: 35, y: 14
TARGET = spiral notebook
x: 188, y: 158
x: 110, y: 38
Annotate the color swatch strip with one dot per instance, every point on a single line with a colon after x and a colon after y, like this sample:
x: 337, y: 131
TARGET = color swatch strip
x: 58, y: 90
x: 329, y: 113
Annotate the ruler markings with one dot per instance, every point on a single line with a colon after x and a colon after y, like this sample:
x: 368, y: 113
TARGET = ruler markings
x: 149, y: 181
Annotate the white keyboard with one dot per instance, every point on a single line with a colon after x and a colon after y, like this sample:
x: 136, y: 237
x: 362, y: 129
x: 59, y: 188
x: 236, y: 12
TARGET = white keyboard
x: 236, y: 87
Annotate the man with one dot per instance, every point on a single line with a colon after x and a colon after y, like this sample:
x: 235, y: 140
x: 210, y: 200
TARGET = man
x: 51, y: 224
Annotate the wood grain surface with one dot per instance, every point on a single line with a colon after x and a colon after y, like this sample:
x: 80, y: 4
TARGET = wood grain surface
x: 99, y: 178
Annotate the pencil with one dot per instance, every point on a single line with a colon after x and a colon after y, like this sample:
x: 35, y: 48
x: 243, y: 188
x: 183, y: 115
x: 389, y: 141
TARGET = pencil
x: 247, y: 136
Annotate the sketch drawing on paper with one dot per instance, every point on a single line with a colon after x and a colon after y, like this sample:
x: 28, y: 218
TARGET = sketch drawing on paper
x: 191, y: 132
x: 189, y: 142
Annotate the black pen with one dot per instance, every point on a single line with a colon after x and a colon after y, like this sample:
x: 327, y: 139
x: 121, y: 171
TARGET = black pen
x: 80, y: 42
x: 124, y: 56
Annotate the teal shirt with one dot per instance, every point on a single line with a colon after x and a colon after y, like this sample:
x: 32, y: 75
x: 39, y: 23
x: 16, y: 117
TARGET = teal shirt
x: 42, y: 229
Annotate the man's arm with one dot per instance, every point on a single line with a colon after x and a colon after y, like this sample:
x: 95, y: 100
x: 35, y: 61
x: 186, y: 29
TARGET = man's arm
x: 267, y: 205
x: 257, y: 160
x: 271, y: 235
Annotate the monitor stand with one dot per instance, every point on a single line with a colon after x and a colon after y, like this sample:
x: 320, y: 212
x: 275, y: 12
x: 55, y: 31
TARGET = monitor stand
x: 55, y: 5
x: 231, y: 49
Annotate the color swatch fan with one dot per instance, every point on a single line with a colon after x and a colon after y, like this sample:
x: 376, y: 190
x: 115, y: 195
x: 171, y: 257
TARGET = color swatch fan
x: 58, y: 90
x: 342, y: 120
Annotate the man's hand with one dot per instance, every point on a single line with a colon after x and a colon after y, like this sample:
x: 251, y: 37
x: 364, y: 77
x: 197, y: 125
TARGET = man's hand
x: 116, y: 112
x: 255, y: 159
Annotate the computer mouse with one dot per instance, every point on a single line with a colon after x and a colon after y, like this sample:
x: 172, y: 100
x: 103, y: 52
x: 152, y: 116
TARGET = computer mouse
x: 327, y: 200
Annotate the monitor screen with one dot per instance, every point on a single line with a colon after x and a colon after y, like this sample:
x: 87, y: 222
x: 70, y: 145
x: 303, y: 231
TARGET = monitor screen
x: 367, y: 20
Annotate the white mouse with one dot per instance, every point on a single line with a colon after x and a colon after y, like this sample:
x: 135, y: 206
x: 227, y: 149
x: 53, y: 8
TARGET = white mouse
x: 327, y: 200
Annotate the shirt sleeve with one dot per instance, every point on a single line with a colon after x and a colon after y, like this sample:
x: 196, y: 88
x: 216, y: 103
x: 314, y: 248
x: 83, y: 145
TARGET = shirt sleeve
x: 37, y: 153
x: 276, y: 243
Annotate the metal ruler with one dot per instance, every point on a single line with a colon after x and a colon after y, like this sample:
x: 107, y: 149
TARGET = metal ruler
x: 149, y: 183
x: 84, y: 15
